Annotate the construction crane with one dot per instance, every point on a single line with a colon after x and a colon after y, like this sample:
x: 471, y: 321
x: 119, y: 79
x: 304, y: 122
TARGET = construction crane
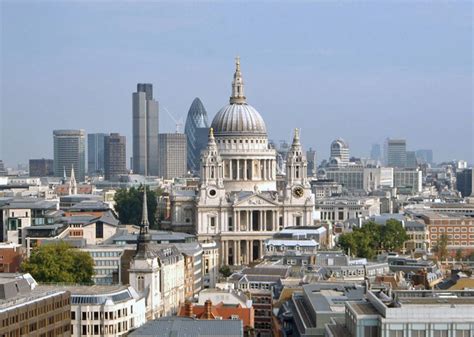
x: 178, y: 122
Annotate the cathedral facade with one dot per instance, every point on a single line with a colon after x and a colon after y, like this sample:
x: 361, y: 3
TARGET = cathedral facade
x: 238, y: 204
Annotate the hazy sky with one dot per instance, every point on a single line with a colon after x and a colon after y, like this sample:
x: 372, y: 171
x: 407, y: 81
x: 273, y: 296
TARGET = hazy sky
x: 362, y: 71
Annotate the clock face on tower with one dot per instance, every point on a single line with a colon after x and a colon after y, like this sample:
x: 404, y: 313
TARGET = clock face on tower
x: 298, y: 191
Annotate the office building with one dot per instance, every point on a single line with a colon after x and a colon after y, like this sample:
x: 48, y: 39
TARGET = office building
x: 396, y: 153
x: 103, y: 310
x: 196, y: 130
x: 3, y: 171
x: 464, y: 182
x: 409, y: 180
x: 172, y: 155
x: 311, y: 158
x: 28, y: 309
x: 318, y: 303
x: 376, y: 152
x: 424, y: 156
x: 41, y: 168
x: 145, y: 130
x: 69, y: 152
x: 411, y: 160
x: 412, y: 313
x: 95, y: 153
x: 359, y: 178
x: 115, y: 158
x: 339, y: 153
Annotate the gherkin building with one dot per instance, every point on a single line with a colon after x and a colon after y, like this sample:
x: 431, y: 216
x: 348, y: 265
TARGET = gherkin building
x: 196, y: 130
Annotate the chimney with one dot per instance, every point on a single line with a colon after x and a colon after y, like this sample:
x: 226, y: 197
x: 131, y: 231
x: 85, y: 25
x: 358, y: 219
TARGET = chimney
x: 207, y: 310
x: 188, y: 308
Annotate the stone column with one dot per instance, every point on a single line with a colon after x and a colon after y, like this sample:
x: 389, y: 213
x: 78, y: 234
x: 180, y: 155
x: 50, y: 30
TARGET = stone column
x: 238, y: 169
x: 234, y: 252
x: 261, y: 216
x: 261, y: 248
x: 248, y: 252
x: 245, y: 169
x: 251, y: 251
x: 250, y: 217
x: 237, y: 252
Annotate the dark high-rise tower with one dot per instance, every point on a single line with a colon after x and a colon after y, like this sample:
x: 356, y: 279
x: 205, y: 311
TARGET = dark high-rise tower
x: 95, y: 153
x: 114, y: 156
x: 145, y: 130
x: 196, y: 130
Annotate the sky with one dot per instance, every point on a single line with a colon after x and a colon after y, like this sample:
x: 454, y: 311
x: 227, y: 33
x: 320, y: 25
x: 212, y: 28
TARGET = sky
x: 362, y: 71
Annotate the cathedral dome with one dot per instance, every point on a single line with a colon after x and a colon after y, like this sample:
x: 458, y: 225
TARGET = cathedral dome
x: 238, y: 117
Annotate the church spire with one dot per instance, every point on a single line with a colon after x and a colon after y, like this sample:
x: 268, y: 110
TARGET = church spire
x: 145, y: 224
x: 238, y: 96
x: 72, y: 182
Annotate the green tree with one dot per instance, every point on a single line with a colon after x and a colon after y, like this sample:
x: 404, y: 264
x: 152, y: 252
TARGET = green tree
x: 393, y: 235
x: 459, y: 254
x: 347, y: 243
x: 225, y: 271
x: 442, y: 247
x: 59, y: 262
x: 128, y: 205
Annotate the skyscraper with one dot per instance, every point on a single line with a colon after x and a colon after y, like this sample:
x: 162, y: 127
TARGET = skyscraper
x: 95, y: 153
x: 41, y: 167
x: 411, y: 159
x: 196, y: 130
x: 311, y: 158
x: 339, y: 152
x: 375, y: 152
x: 396, y: 153
x: 145, y: 115
x: 69, y: 151
x: 114, y: 156
x: 172, y: 155
x: 425, y: 156
x: 464, y: 182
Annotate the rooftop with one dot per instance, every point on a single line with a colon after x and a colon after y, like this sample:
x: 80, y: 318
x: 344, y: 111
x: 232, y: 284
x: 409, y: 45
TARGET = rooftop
x: 189, y: 327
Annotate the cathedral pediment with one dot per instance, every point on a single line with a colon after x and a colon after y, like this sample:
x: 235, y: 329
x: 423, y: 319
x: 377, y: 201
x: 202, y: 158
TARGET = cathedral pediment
x: 257, y: 199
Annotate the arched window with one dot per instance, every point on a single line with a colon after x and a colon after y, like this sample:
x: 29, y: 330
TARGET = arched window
x: 140, y: 283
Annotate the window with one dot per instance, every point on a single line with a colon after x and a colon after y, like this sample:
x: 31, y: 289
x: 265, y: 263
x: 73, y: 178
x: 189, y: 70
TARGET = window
x: 212, y: 221
x: 99, y: 230
x: 141, y: 283
x: 84, y: 316
x: 440, y: 333
x: 73, y: 315
x: 418, y: 333
x: 462, y: 333
x: 231, y: 225
x: 395, y: 333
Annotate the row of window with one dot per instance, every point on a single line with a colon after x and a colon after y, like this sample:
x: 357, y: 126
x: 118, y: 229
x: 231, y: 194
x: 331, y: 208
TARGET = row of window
x: 104, y: 254
x: 453, y: 229
x: 456, y: 236
x: 423, y: 333
x: 96, y: 329
x: 96, y: 315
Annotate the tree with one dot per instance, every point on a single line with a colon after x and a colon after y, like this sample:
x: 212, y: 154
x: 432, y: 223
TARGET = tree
x: 459, y: 254
x: 371, y: 238
x: 225, y: 271
x: 393, y: 235
x: 442, y: 247
x: 128, y: 205
x: 59, y: 262
x: 347, y: 243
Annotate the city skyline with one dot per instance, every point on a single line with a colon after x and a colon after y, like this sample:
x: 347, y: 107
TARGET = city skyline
x: 350, y: 81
